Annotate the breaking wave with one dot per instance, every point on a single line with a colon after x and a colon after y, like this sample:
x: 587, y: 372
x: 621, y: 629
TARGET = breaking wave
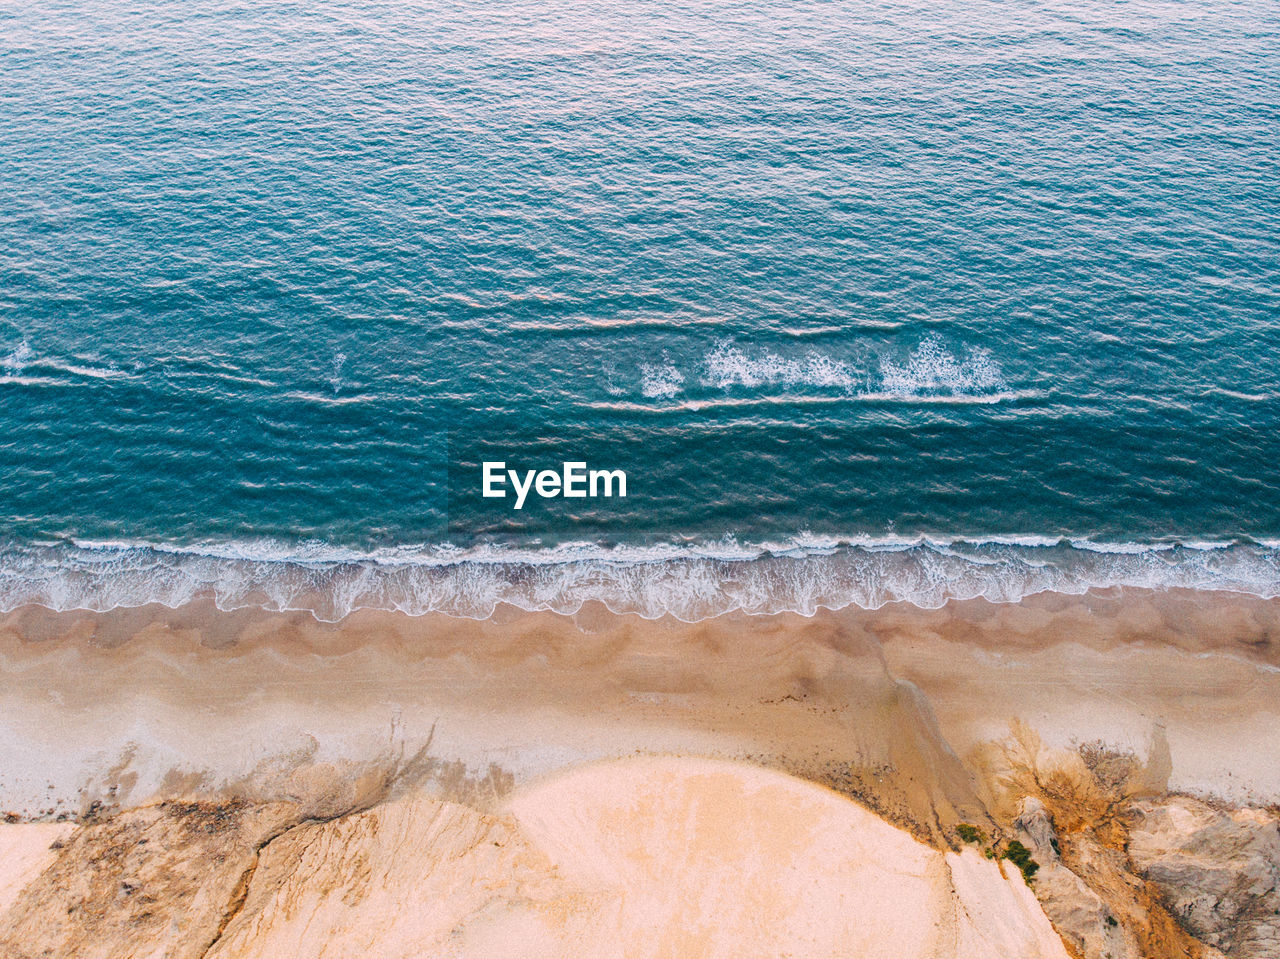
x: 929, y: 372
x: 931, y: 369
x: 660, y: 381
x: 689, y: 583
x: 24, y: 367
x: 728, y: 365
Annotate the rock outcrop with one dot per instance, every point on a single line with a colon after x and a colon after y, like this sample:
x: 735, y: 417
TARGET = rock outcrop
x: 1073, y: 809
x: 639, y: 858
x: 1217, y: 871
x: 1080, y: 915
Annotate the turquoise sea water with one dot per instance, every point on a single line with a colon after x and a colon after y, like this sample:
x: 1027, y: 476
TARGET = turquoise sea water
x: 871, y: 301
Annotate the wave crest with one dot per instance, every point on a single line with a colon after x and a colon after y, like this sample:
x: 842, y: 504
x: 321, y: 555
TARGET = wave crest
x: 728, y: 365
x: 931, y: 368
x: 801, y: 576
x: 52, y: 370
x: 930, y: 372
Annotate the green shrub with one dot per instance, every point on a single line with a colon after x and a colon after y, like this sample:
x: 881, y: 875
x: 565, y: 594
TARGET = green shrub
x: 1020, y: 856
x: 970, y: 833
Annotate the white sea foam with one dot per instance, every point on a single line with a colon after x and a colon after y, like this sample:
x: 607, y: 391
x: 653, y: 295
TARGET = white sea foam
x: 932, y: 368
x: 660, y: 381
x: 91, y: 372
x: 930, y: 374
x: 799, y: 575
x: 611, y: 384
x: 31, y: 380
x: 18, y: 358
x: 728, y: 366
x: 23, y: 360
x: 339, y: 360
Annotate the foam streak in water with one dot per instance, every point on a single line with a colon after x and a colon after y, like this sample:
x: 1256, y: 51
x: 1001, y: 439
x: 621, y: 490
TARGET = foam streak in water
x: 932, y: 369
x: 728, y: 366
x: 930, y: 372
x: 660, y: 380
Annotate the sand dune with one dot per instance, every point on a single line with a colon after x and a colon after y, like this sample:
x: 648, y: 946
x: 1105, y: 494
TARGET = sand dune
x: 642, y: 859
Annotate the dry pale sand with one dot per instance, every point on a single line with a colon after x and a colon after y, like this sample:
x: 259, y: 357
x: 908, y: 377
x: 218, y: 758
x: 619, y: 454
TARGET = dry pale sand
x: 26, y: 850
x: 640, y: 858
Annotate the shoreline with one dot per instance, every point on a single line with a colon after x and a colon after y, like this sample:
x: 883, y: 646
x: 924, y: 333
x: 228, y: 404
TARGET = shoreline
x: 805, y: 575
x: 138, y: 704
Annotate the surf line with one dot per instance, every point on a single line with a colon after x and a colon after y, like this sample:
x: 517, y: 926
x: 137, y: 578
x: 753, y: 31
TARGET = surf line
x: 573, y: 480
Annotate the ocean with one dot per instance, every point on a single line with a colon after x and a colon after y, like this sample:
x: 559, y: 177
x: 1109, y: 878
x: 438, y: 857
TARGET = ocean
x: 895, y: 301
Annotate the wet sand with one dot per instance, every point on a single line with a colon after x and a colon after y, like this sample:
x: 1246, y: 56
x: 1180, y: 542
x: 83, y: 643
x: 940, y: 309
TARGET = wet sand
x: 888, y: 705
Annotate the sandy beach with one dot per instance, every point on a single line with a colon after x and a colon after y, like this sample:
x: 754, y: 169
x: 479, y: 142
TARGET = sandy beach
x: 917, y: 721
x: 129, y: 706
